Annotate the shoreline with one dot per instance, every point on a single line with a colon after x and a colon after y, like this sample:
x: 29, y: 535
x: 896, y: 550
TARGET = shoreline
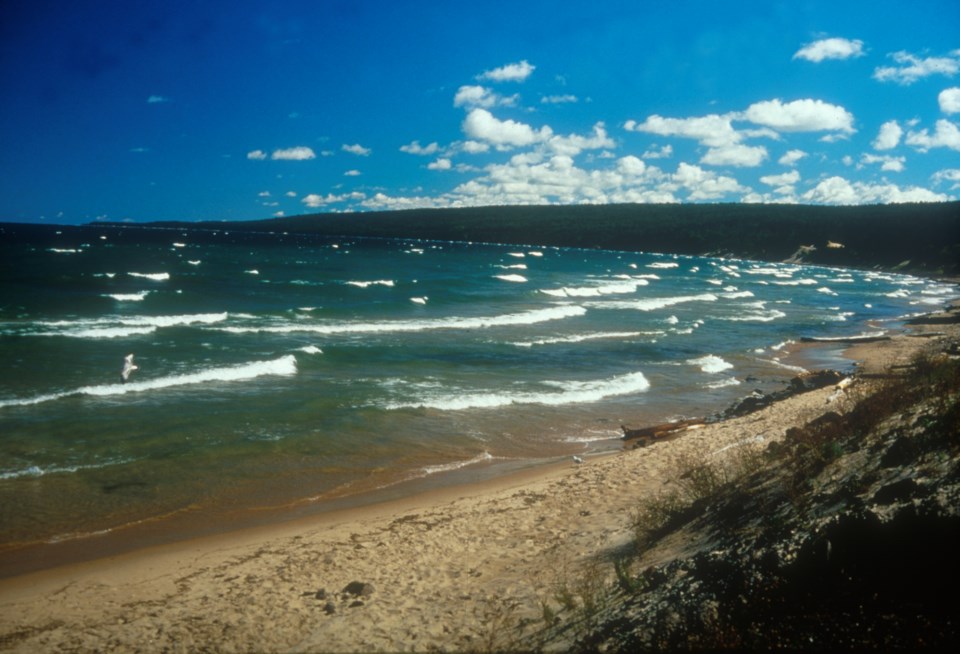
x: 155, y: 532
x: 434, y: 565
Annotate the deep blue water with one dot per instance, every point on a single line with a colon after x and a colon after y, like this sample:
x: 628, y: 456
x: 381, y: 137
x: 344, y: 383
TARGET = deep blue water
x: 287, y: 371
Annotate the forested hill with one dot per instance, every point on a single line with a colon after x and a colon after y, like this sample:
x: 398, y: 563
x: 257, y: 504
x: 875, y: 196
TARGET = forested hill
x: 916, y: 237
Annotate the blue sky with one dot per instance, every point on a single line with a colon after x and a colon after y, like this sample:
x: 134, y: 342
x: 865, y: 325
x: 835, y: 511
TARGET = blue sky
x: 241, y: 110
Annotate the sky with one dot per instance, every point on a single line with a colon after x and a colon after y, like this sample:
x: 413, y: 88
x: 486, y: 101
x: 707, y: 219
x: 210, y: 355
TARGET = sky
x: 244, y: 109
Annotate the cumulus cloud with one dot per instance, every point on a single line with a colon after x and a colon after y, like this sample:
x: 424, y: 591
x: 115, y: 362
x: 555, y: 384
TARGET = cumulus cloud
x: 889, y: 136
x: 356, y: 149
x: 517, y: 72
x: 704, y: 184
x: 157, y: 99
x: 479, y: 96
x: 480, y: 124
x: 423, y: 150
x: 352, y: 173
x: 837, y: 190
x: 786, y: 179
x: 314, y: 201
x: 800, y: 116
x: 887, y: 163
x: 299, y: 153
x: 712, y: 130
x: 257, y: 155
x: 909, y: 67
x: 664, y: 152
x: 949, y: 100
x: 791, y: 157
x: 835, y: 48
x: 574, y: 144
x: 440, y: 164
x: 744, y: 156
x: 946, y: 135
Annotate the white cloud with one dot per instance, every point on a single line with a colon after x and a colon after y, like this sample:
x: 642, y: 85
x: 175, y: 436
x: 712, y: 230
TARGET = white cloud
x: 510, y: 73
x: 631, y: 166
x: 574, y: 144
x: 664, y: 152
x: 947, y: 135
x: 352, y: 173
x: 949, y: 100
x: 791, y: 157
x: 423, y: 150
x: 785, y: 179
x: 910, y: 67
x: 299, y: 153
x: 482, y: 125
x: 263, y: 194
x: 479, y: 96
x: 474, y: 147
x: 948, y: 175
x: 356, y: 149
x: 257, y: 155
x: 800, y: 116
x: 703, y: 184
x: 837, y: 190
x: 440, y: 164
x: 712, y: 130
x: 315, y: 201
x: 559, y: 99
x: 887, y: 163
x: 835, y: 48
x: 889, y: 136
x: 157, y: 99
x: 744, y: 156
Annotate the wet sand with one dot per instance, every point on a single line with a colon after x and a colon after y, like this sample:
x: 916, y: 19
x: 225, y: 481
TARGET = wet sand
x: 448, y: 569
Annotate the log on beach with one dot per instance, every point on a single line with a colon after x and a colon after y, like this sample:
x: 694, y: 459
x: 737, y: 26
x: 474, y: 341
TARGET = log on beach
x: 646, y: 435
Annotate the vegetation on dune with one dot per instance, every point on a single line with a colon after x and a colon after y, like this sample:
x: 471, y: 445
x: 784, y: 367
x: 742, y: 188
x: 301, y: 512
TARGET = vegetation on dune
x: 843, y: 535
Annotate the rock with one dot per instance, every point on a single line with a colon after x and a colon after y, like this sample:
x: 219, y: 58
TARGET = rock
x: 329, y: 608
x: 358, y: 589
x: 321, y: 594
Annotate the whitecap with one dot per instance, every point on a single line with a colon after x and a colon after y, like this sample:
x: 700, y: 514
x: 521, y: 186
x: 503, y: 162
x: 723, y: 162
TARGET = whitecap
x: 156, y: 277
x: 652, y: 304
x: 512, y: 278
x: 419, y: 300
x: 531, y: 317
x: 128, y: 297
x: 663, y: 265
x: 284, y: 366
x: 376, y: 282
x: 580, y: 338
x: 711, y: 363
x: 310, y: 349
x: 723, y: 383
x: 569, y: 392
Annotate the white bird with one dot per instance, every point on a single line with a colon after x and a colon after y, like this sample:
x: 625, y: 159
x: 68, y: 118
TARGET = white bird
x: 128, y: 367
x: 578, y: 460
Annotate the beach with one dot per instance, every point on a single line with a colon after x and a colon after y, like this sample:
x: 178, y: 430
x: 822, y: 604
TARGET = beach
x: 450, y: 569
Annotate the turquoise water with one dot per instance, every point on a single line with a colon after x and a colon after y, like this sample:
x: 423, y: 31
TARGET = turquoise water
x: 278, y: 372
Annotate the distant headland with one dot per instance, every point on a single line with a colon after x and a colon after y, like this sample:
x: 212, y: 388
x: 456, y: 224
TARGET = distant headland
x: 920, y: 238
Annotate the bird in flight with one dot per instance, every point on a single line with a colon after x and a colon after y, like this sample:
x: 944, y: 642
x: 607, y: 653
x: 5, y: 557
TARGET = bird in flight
x: 128, y: 367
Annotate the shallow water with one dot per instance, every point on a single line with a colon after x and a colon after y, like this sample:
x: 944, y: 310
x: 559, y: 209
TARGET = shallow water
x: 289, y: 371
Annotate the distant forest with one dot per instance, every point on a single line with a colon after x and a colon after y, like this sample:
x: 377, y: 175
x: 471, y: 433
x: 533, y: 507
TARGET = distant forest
x: 910, y: 237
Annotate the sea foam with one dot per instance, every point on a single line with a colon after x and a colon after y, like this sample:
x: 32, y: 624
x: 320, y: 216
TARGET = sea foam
x: 711, y: 363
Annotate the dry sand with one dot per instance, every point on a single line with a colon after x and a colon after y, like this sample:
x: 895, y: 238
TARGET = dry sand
x: 449, y: 570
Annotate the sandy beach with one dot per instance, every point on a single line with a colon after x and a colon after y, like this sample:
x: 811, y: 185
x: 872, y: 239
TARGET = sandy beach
x: 462, y: 568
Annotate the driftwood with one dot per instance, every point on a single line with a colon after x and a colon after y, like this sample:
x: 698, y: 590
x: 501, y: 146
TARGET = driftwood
x: 646, y: 435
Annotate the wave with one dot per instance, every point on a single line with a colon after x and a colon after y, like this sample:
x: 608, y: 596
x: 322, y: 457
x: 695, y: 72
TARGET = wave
x: 596, y: 291
x: 457, y: 465
x: 570, y: 392
x: 579, y: 338
x: 156, y: 277
x: 284, y: 366
x: 652, y: 304
x: 310, y: 349
x: 512, y: 278
x: 531, y: 317
x: 760, y: 316
x: 120, y: 326
x: 723, y: 383
x: 376, y: 282
x: 663, y: 265
x: 128, y: 297
x: 711, y: 363
x: 37, y: 471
